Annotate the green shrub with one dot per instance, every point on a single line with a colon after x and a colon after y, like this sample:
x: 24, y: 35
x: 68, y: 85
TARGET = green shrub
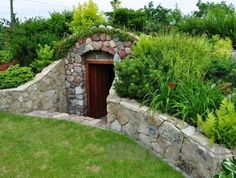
x: 23, y: 39
x: 5, y: 56
x: 45, y: 54
x: 221, y: 126
x: 222, y: 71
x: 15, y: 76
x: 180, y: 56
x: 228, y: 168
x: 217, y: 21
x: 128, y: 19
x: 85, y: 16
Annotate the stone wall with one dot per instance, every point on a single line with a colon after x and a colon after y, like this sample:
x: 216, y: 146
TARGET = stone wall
x: 180, y: 144
x: 75, y: 66
x: 45, y: 92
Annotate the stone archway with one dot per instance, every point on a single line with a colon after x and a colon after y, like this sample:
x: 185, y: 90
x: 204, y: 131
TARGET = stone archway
x: 75, y: 66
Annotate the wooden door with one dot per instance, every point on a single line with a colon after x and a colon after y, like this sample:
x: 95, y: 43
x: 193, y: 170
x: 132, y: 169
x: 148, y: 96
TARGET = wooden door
x: 99, y: 77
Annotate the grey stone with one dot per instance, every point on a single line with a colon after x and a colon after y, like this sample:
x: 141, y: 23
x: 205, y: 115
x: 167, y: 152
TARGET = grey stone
x: 88, y: 40
x: 128, y: 50
x: 116, y: 126
x: 116, y: 58
x: 144, y: 139
x: 79, y: 90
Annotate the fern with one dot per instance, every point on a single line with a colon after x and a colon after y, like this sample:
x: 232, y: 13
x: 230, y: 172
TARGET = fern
x: 221, y: 126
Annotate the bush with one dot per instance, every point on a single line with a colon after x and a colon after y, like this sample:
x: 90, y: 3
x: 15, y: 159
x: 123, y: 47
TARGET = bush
x: 23, y: 39
x: 217, y: 21
x: 5, y: 56
x: 85, y: 16
x: 45, y: 55
x: 221, y: 127
x: 124, y: 18
x: 15, y: 76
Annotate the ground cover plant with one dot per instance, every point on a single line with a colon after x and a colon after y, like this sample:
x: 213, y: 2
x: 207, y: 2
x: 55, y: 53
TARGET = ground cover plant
x: 32, y: 147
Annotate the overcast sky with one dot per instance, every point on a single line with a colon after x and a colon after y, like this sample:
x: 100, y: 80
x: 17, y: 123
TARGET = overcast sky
x: 31, y: 8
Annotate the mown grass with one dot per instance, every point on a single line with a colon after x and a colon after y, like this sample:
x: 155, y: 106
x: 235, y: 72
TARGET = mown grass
x: 33, y: 147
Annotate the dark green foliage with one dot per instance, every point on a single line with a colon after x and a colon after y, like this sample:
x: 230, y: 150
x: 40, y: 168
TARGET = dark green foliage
x: 228, y: 168
x: 204, y: 7
x: 160, y: 19
x: 24, y: 38
x: 124, y: 18
x: 222, y: 71
x: 149, y: 19
x: 15, y: 76
x: 62, y: 47
x: 217, y: 19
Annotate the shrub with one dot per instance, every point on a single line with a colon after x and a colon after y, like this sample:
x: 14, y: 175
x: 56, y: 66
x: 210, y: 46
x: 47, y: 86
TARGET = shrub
x: 15, y: 76
x: 124, y: 18
x: 85, y: 16
x: 228, y: 168
x: 221, y: 126
x: 23, y: 38
x: 217, y: 21
x: 45, y: 55
x: 5, y: 56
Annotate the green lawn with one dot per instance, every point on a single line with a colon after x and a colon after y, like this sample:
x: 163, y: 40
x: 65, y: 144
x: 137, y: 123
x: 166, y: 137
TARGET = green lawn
x: 32, y: 147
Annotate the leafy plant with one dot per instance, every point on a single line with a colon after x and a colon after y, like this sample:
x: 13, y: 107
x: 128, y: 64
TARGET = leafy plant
x: 23, y: 39
x: 15, y: 76
x: 45, y: 54
x: 228, y: 168
x: 85, y: 16
x: 221, y: 126
x: 5, y: 56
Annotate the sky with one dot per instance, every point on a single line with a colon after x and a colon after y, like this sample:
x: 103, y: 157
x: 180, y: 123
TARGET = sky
x: 42, y: 8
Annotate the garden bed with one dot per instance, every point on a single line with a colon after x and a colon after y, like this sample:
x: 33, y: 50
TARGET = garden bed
x: 173, y: 139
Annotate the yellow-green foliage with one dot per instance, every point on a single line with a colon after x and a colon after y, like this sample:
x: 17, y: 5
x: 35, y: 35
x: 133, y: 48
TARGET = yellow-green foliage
x: 85, y: 16
x: 222, y: 48
x: 221, y: 126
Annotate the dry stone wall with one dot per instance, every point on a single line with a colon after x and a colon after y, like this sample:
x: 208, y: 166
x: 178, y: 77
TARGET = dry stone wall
x: 176, y: 141
x: 75, y: 66
x: 45, y: 92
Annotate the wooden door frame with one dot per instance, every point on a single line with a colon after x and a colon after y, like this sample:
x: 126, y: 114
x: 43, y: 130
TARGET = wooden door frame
x: 87, y: 63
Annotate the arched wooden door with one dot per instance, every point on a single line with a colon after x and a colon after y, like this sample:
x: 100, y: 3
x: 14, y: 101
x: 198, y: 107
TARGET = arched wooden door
x: 99, y: 76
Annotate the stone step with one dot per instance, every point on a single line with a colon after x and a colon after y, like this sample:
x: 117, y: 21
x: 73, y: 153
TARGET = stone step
x: 99, y: 123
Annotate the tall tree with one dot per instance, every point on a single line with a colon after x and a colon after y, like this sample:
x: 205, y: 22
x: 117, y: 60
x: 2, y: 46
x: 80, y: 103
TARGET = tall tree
x: 115, y: 4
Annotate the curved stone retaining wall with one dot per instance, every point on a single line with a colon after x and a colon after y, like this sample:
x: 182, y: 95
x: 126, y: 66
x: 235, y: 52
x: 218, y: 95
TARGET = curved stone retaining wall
x: 45, y: 92
x: 182, y: 145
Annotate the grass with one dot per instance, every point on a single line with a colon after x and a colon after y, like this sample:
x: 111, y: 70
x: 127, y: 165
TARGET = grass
x: 33, y: 147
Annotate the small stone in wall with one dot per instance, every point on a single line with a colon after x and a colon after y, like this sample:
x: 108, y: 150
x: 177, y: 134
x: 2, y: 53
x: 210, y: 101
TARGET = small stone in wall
x: 112, y: 44
x: 97, y: 45
x: 95, y: 37
x: 116, y: 58
x: 128, y: 44
x: 70, y: 78
x: 122, y: 54
x: 79, y: 90
x: 106, y: 43
x: 108, y: 38
x: 78, y: 79
x: 78, y: 58
x: 103, y: 37
x: 88, y: 40
x: 77, y: 45
x: 128, y: 50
